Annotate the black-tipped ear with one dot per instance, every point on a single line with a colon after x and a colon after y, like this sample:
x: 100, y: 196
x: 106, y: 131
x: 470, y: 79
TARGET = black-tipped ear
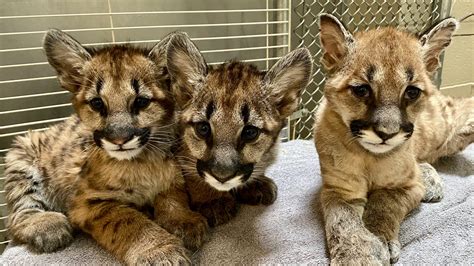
x: 435, y: 41
x: 287, y: 79
x: 335, y: 39
x: 186, y: 66
x: 67, y: 56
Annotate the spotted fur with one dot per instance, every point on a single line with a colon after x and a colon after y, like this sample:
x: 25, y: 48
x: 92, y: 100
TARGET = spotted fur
x: 381, y: 116
x: 230, y: 120
x: 108, y: 170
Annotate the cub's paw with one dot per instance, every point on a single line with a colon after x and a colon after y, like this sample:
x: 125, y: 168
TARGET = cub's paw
x: 394, y: 247
x: 219, y: 211
x: 261, y: 190
x: 360, y: 248
x: 162, y: 255
x: 191, y: 227
x: 44, y: 232
x: 433, y: 183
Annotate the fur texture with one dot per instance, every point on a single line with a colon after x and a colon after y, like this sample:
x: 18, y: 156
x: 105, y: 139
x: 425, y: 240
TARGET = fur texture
x: 230, y: 120
x: 108, y: 170
x: 381, y: 116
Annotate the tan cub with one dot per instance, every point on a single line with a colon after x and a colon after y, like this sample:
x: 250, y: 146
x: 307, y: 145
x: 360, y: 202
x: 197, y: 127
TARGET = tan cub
x: 230, y: 120
x: 381, y: 115
x: 107, y: 170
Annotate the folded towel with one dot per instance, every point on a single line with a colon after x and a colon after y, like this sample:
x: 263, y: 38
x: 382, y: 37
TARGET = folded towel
x: 291, y: 230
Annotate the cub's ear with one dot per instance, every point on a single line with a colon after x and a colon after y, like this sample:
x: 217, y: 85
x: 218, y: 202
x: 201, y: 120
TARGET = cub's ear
x: 67, y: 56
x: 435, y: 40
x: 335, y: 40
x: 287, y: 79
x: 186, y: 66
x: 158, y: 55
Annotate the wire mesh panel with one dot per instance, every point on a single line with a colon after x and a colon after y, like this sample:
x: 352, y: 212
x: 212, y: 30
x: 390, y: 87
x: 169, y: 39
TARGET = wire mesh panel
x: 30, y: 96
x: 413, y: 15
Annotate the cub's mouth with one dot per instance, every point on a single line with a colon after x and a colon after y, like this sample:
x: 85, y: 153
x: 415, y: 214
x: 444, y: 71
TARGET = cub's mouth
x: 223, y: 186
x: 377, y: 139
x: 224, y: 177
x: 122, y: 143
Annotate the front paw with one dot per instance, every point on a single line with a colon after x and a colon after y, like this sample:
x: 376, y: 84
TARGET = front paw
x: 44, y: 232
x: 192, y: 228
x: 360, y: 248
x: 433, y: 183
x: 218, y: 211
x: 394, y: 248
x: 261, y: 190
x: 171, y: 254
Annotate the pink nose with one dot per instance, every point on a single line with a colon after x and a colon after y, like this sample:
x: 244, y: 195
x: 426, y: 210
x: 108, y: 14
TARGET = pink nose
x: 119, y: 141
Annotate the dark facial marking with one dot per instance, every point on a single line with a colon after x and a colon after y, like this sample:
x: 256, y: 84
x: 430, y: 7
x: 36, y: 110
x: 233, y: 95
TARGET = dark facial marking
x: 357, y: 125
x: 246, y: 170
x: 99, y: 84
x: 98, y: 135
x: 144, y: 135
x: 135, y: 85
x: 408, y: 127
x: 410, y: 74
x: 245, y: 113
x: 209, y: 110
x: 370, y: 73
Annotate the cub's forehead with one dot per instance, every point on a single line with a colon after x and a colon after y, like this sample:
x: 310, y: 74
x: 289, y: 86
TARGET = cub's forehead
x: 231, y: 91
x: 121, y: 60
x: 233, y: 79
x: 387, y: 51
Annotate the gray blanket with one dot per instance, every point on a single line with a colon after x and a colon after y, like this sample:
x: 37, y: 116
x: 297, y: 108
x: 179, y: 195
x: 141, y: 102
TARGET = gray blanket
x: 291, y: 232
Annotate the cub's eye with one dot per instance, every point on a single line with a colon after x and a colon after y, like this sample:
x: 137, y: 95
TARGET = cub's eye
x: 141, y: 103
x: 361, y: 91
x: 249, y: 133
x: 203, y: 129
x: 97, y: 104
x: 412, y: 93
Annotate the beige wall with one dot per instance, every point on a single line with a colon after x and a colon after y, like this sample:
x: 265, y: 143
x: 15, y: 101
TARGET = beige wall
x: 458, y: 69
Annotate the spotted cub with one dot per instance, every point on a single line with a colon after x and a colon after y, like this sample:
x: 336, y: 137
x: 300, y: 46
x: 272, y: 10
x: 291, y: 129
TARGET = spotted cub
x: 230, y: 119
x: 108, y: 170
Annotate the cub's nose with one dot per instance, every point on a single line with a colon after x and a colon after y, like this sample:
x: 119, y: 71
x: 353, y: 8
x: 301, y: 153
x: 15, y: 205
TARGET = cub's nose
x: 220, y: 171
x: 120, y: 140
x: 223, y: 173
x: 118, y: 135
x: 384, y: 136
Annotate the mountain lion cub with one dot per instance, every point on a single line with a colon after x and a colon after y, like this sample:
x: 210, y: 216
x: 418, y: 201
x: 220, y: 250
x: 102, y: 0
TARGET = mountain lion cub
x: 107, y: 170
x: 231, y: 117
x: 380, y: 117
